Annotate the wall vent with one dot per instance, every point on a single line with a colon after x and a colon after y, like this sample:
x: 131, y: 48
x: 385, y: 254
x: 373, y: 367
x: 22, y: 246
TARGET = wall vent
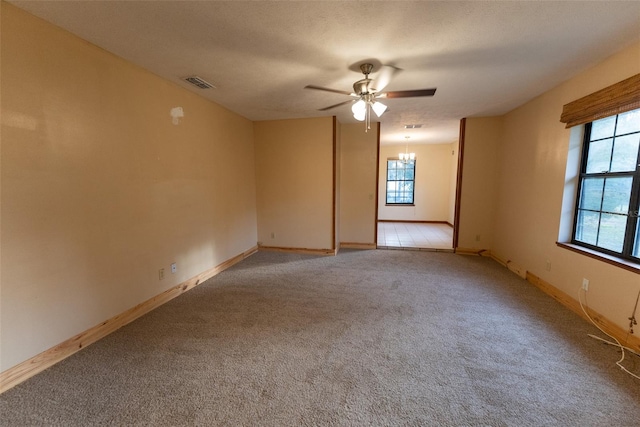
x: 199, y: 82
x: 412, y: 126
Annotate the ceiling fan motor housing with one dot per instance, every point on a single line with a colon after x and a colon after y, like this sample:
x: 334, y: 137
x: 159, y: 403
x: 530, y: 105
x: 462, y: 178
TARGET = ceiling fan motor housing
x: 361, y: 87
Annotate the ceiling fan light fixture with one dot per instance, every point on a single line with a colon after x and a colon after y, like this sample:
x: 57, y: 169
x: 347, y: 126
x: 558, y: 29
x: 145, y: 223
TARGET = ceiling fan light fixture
x: 359, y: 110
x: 359, y: 107
x: 379, y: 108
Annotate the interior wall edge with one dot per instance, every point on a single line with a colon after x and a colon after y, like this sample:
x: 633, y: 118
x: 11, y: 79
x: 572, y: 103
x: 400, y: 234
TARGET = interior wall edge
x: 38, y: 363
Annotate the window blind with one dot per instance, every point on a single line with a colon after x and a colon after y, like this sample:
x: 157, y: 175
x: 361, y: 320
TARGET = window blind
x: 615, y: 99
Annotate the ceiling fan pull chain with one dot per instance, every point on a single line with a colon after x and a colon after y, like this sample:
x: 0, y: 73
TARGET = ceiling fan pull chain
x: 368, y: 117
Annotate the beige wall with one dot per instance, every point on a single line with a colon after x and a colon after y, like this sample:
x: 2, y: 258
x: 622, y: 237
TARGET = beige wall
x: 533, y: 168
x: 479, y: 182
x: 294, y: 183
x: 100, y: 190
x: 432, y: 188
x: 359, y: 156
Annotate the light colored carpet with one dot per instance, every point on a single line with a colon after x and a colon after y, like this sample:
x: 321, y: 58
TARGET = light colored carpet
x: 367, y: 338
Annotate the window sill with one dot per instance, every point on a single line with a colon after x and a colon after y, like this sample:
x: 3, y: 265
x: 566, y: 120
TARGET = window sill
x: 399, y: 204
x: 609, y: 259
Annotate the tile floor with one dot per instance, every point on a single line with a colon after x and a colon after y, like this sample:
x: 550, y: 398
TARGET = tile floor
x: 411, y: 235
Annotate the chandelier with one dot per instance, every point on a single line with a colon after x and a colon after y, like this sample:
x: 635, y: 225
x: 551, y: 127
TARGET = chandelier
x: 406, y: 156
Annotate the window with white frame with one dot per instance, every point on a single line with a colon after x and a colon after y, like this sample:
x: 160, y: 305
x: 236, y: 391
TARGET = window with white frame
x: 400, y: 181
x: 608, y: 200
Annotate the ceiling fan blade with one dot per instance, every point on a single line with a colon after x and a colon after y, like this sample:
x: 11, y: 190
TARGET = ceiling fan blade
x: 326, y: 89
x: 383, y: 77
x: 408, y: 93
x: 336, y: 105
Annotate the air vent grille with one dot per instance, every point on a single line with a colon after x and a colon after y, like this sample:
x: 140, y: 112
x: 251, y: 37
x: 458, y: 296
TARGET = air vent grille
x: 412, y: 126
x: 199, y: 82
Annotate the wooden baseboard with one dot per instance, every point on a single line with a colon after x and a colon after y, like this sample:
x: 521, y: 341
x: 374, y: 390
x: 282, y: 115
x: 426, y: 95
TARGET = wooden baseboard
x: 331, y: 252
x: 25, y: 370
x: 470, y: 251
x: 414, y: 221
x: 572, y: 304
x: 355, y: 245
x: 519, y: 270
x: 502, y: 262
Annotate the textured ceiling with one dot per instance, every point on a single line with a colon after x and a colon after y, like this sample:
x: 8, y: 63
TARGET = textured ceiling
x: 485, y: 58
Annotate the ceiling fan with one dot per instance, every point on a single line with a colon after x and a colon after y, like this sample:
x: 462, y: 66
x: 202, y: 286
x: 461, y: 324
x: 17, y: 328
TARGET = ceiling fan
x: 366, y: 92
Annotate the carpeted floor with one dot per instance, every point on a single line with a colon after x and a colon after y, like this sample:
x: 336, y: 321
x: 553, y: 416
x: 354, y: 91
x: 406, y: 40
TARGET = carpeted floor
x: 367, y: 338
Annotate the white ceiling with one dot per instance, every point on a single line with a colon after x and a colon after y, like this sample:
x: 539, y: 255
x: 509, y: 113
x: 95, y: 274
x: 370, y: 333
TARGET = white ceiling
x: 485, y: 58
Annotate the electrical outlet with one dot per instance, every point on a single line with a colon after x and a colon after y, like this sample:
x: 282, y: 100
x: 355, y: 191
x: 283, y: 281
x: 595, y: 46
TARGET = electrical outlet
x: 161, y: 274
x: 174, y: 268
x: 477, y: 237
x: 548, y: 265
x: 273, y: 235
x: 585, y: 284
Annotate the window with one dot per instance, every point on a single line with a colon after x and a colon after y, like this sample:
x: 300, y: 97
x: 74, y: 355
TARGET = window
x: 400, y: 181
x: 608, y: 199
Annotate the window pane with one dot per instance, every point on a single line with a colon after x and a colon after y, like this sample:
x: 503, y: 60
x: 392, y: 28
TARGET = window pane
x: 409, y: 174
x: 587, y: 227
x: 391, y: 174
x: 407, y: 186
x: 612, y: 228
x: 393, y: 188
x: 617, y: 192
x: 625, y: 153
x: 603, y: 128
x: 591, y: 197
x: 628, y: 122
x: 599, y: 156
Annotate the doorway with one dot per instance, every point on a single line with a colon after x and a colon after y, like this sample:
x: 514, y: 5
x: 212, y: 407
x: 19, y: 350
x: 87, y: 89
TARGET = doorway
x: 428, y: 220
